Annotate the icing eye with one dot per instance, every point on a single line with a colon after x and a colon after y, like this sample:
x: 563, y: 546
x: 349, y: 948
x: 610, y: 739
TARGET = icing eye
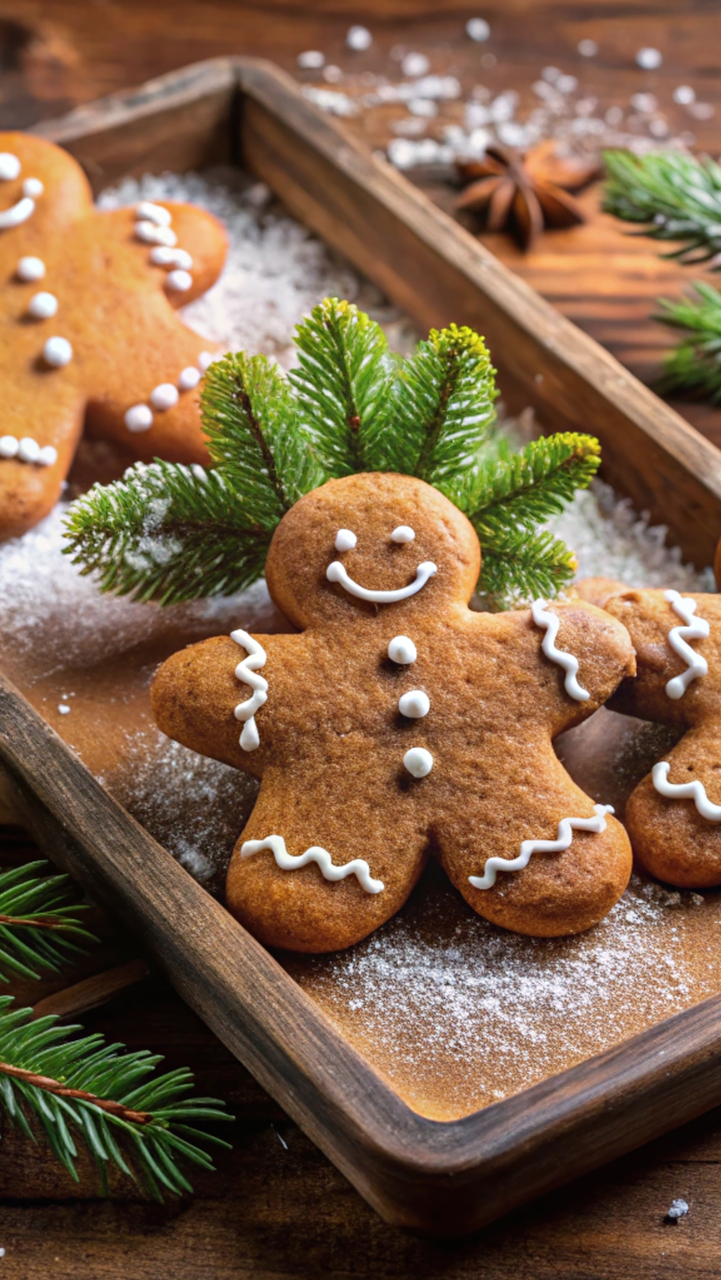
x: 345, y: 540
x: 9, y: 166
x: 402, y: 534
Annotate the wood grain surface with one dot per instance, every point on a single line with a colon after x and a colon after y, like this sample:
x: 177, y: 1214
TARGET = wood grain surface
x: 278, y: 1208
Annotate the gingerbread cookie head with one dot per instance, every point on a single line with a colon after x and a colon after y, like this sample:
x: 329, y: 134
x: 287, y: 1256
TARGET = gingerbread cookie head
x: 89, y: 330
x: 674, y: 815
x: 358, y: 544
x: 399, y: 722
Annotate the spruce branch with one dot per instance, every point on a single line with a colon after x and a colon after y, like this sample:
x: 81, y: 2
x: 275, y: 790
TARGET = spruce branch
x: 170, y: 533
x: 694, y: 366
x: 443, y: 413
x: 40, y: 921
x: 80, y: 1088
x: 523, y: 565
x: 676, y: 197
x: 343, y: 386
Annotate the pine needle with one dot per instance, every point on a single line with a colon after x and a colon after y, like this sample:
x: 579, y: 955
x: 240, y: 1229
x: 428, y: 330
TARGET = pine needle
x: 694, y: 366
x: 40, y: 921
x: 676, y: 196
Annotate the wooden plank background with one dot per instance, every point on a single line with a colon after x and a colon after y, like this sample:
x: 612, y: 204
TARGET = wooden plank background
x: 277, y: 1207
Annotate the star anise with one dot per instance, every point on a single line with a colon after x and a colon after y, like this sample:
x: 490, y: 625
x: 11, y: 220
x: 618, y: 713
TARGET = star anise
x: 525, y: 190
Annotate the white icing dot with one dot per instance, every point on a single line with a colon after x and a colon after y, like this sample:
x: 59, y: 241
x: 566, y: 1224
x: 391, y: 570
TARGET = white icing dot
x: 414, y: 704
x: 149, y: 233
x: 48, y: 456
x: 8, y: 446
x: 30, y: 269
x: 42, y: 306
x: 359, y: 39
x: 189, y: 378
x: 179, y: 281
x: 57, y: 352
x: 139, y: 418
x: 402, y: 534
x: 402, y: 650
x: 154, y: 213
x: 164, y: 396
x: 205, y: 359
x: 9, y: 166
x: 418, y: 762
x: 33, y: 187
x: 28, y: 449
x: 478, y: 30
x: 162, y: 256
x: 345, y: 540
x: 649, y: 59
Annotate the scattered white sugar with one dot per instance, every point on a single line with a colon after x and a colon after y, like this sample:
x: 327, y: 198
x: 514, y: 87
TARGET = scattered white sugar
x: 649, y: 59
x: 415, y: 64
x: 358, y: 38
x: 478, y: 29
x: 587, y: 48
x: 458, y: 1012
x: 679, y: 1209
x: 311, y: 60
x: 64, y: 709
x: 684, y: 95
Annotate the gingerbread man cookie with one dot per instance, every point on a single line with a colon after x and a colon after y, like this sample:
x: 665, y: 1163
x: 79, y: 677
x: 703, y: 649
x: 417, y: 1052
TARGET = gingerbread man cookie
x: 674, y: 815
x: 398, y: 722
x: 88, y: 327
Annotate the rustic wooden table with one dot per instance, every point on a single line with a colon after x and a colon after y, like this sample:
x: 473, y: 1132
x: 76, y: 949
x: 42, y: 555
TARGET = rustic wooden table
x: 276, y: 1207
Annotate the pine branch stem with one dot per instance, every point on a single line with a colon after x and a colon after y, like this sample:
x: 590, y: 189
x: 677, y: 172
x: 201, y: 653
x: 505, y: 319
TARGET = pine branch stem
x: 48, y: 1085
x: 435, y: 426
x: 36, y: 922
x: 262, y: 443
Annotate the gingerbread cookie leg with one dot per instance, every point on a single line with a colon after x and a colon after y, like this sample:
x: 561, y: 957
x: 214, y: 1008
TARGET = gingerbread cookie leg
x: 291, y: 880
x: 545, y: 864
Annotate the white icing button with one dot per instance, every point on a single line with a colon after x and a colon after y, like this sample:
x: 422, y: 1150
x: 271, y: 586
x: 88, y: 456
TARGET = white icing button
x: 414, y: 704
x: 8, y: 446
x: 205, y: 359
x: 149, y: 233
x: 9, y: 166
x: 402, y: 650
x: 402, y: 534
x: 164, y: 396
x: 33, y: 187
x: 42, y: 306
x: 179, y: 281
x: 345, y: 540
x: 153, y: 213
x: 188, y: 379
x: 418, y: 762
x: 30, y: 269
x: 139, y: 418
x: 48, y: 456
x: 162, y: 256
x: 57, y: 352
x: 28, y: 449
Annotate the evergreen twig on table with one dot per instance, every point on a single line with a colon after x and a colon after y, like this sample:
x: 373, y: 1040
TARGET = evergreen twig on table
x: 171, y: 533
x: 40, y: 921
x: 675, y: 196
x: 694, y: 366
x: 80, y: 1089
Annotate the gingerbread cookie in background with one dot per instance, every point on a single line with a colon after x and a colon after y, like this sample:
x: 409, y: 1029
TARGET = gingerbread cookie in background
x: 674, y: 814
x: 89, y: 333
x: 399, y: 721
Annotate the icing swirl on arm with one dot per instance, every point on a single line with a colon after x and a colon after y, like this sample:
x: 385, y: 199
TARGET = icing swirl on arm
x: 566, y: 827
x: 246, y: 671
x: 287, y: 862
x: 550, y: 621
x: 695, y: 629
x: 685, y: 791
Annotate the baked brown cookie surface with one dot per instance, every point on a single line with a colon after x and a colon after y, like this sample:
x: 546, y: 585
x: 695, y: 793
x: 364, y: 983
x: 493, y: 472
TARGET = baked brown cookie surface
x: 398, y: 722
x: 88, y: 326
x: 674, y: 815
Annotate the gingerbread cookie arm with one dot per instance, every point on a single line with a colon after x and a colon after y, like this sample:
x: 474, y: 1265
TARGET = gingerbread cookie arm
x: 545, y: 861
x: 202, y: 239
x: 36, y: 456
x: 306, y: 874
x: 675, y: 646
x: 213, y: 694
x: 674, y: 815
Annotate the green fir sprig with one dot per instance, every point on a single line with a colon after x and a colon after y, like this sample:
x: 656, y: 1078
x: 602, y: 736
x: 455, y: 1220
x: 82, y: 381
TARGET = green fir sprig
x: 170, y: 533
x: 81, y: 1090
x: 40, y: 921
x: 693, y: 367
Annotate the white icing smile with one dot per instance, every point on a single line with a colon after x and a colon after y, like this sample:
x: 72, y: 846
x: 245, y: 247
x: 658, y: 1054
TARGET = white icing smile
x: 336, y: 572
x: 32, y: 187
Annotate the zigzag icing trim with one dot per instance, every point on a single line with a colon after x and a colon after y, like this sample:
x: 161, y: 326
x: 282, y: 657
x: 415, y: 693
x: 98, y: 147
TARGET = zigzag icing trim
x: 695, y: 629
x: 245, y: 671
x: 685, y: 791
x: 550, y: 621
x: 566, y: 827
x: 287, y: 862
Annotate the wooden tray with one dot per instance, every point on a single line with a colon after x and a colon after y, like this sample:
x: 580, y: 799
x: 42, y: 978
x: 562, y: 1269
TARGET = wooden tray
x: 444, y: 1176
